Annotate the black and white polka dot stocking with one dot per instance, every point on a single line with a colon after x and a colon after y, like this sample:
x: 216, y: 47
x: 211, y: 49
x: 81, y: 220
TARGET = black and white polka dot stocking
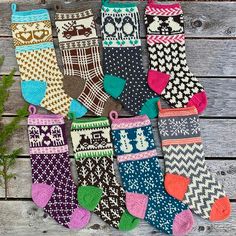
x: 125, y: 78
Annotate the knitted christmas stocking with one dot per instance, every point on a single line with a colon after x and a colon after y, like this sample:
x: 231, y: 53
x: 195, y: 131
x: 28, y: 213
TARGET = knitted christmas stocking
x: 125, y: 78
x: 99, y: 190
x: 142, y: 178
x: 41, y: 77
x: 83, y: 79
x: 187, y: 177
x: 169, y: 75
x: 53, y: 188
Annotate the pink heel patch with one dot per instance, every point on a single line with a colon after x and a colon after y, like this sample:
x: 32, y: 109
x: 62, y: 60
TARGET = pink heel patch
x: 136, y: 204
x: 79, y: 218
x: 41, y: 194
x: 183, y: 223
x: 157, y: 80
x: 199, y: 100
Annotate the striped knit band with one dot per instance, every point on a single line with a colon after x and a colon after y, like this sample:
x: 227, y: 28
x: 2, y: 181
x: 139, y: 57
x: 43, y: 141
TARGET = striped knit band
x: 36, y: 119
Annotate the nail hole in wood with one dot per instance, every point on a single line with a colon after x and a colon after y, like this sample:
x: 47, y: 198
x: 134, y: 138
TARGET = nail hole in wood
x: 230, y: 30
x: 201, y: 228
x: 196, y: 23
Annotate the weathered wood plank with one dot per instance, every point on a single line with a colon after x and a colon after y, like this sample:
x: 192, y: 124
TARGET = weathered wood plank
x: 23, y: 218
x: 206, y: 57
x: 218, y: 137
x: 202, y: 19
x: 225, y: 172
x: 220, y: 91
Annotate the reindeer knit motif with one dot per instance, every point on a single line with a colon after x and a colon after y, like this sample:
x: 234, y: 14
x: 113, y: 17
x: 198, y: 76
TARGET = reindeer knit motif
x: 53, y: 188
x: 94, y: 160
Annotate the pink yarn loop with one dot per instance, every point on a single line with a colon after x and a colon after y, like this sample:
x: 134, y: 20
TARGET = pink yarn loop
x: 113, y: 115
x: 32, y: 109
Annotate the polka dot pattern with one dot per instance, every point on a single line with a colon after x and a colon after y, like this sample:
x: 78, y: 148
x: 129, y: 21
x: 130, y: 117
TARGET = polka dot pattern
x: 127, y: 64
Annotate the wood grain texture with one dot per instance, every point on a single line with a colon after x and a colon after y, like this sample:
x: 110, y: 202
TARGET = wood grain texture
x: 205, y: 57
x: 202, y: 19
x: 218, y: 137
x: 225, y: 172
x: 220, y: 91
x: 211, y: 55
x: 23, y: 218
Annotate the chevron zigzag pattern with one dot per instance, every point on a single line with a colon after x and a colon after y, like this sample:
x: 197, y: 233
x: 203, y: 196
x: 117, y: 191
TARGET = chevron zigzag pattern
x: 163, y: 12
x: 152, y: 39
x: 188, y: 161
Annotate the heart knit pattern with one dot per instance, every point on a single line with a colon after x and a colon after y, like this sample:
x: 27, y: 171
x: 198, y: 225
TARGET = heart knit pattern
x: 42, y: 80
x: 125, y: 77
x: 53, y: 188
x: 169, y: 74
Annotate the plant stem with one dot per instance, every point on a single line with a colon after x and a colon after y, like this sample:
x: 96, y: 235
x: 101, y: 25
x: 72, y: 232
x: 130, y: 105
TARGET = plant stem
x: 5, y: 180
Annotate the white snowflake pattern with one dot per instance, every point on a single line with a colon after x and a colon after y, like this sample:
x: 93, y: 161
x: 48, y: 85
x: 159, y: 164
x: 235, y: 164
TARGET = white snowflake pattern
x: 163, y: 128
x: 165, y: 224
x: 157, y: 197
x: 148, y: 183
x: 152, y: 214
x: 133, y: 184
x: 194, y: 125
x: 170, y: 208
x: 144, y: 167
x: 179, y: 126
x: 129, y: 168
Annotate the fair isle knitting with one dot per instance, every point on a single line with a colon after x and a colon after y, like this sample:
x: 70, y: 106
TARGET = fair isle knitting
x: 99, y: 190
x: 78, y: 42
x: 187, y: 177
x: 142, y: 177
x: 41, y: 77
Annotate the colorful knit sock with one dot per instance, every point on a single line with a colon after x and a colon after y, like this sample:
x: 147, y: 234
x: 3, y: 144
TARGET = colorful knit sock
x: 99, y: 190
x: 169, y: 75
x: 53, y: 188
x: 78, y: 42
x: 42, y: 81
x: 142, y: 178
x: 187, y: 177
x: 125, y: 78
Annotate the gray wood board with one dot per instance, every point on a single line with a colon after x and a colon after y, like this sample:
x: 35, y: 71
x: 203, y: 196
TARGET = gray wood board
x: 220, y: 92
x: 218, y: 137
x: 23, y: 218
x: 224, y: 171
x: 202, y: 19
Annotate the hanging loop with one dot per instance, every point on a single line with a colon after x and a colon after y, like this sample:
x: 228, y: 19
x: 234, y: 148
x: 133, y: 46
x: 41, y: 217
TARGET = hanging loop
x: 113, y: 115
x: 32, y: 109
x: 13, y: 7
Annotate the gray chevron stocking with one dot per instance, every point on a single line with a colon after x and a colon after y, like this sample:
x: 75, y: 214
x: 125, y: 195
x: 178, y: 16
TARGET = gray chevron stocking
x: 187, y: 177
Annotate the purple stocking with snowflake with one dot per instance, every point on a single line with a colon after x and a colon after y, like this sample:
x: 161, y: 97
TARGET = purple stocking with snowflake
x: 53, y: 188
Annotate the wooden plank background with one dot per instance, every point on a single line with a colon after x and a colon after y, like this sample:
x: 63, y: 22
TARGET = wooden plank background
x: 211, y: 55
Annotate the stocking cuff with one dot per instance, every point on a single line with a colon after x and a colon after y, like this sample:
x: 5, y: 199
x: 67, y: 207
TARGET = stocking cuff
x: 163, y: 9
x: 91, y: 138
